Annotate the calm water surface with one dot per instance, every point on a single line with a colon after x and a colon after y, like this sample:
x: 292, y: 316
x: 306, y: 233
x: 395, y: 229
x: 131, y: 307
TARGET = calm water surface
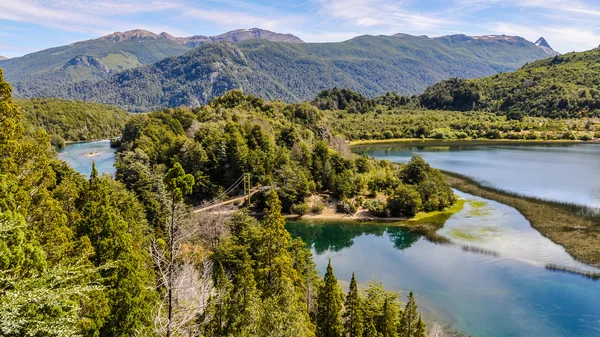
x: 77, y: 156
x: 505, y: 292
x: 559, y: 172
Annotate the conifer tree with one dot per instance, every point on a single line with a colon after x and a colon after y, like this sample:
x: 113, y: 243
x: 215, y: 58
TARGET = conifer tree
x: 370, y: 330
x: 388, y: 321
x: 329, y: 307
x: 112, y: 223
x: 420, y: 328
x: 274, y: 260
x: 409, y: 320
x: 353, y: 314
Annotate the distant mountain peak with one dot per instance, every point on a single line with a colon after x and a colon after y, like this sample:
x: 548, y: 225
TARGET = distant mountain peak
x: 3, y: 58
x: 135, y: 34
x: 542, y: 43
x: 197, y: 40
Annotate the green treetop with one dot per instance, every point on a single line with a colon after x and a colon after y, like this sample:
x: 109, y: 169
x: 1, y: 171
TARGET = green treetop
x: 409, y: 325
x: 353, y: 315
x: 329, y: 307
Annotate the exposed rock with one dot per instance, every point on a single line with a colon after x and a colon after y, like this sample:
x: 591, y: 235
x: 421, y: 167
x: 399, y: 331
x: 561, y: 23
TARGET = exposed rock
x: 86, y: 61
x: 198, y: 40
x: 3, y: 58
x: 543, y: 44
x: 136, y: 34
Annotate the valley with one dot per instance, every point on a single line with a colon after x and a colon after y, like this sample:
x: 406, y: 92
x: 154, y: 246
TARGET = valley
x: 324, y: 177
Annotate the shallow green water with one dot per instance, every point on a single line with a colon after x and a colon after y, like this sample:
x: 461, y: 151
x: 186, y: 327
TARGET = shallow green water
x: 502, y: 289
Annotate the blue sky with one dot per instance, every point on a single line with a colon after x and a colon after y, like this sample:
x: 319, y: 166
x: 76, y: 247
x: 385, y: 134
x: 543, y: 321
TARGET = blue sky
x: 30, y: 25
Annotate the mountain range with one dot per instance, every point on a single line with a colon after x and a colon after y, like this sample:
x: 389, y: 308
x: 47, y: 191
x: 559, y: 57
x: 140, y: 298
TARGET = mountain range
x: 97, y: 59
x: 141, y: 71
x: 3, y: 58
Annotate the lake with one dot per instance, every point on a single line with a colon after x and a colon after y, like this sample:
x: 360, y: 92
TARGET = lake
x: 491, y: 281
x: 77, y: 155
x: 565, y: 172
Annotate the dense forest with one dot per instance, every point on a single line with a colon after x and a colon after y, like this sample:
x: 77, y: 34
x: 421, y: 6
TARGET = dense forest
x: 122, y: 257
x: 297, y: 72
x: 560, y: 87
x: 392, y: 116
x: 71, y: 121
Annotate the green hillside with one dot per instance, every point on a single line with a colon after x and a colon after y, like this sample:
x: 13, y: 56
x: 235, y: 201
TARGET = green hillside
x: 71, y: 120
x: 564, y: 86
x: 86, y: 60
x: 371, y: 65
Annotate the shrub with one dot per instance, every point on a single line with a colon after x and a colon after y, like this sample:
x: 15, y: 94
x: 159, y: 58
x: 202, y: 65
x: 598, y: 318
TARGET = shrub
x: 405, y: 200
x: 317, y: 207
x: 587, y: 136
x: 57, y: 141
x: 300, y: 209
x: 376, y: 207
x: 346, y: 207
x: 359, y: 201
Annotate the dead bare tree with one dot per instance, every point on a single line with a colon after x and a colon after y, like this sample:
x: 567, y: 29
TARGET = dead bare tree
x: 340, y: 144
x: 185, y: 274
x: 212, y: 225
x: 436, y: 331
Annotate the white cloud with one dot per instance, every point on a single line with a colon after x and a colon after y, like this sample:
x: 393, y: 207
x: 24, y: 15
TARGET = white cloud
x: 233, y: 19
x: 391, y: 15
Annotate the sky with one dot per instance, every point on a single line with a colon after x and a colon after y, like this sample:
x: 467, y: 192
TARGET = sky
x: 30, y: 25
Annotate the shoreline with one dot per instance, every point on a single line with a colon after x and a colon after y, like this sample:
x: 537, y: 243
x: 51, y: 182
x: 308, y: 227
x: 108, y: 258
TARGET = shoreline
x: 423, y: 219
x: 574, y: 227
x: 458, y: 142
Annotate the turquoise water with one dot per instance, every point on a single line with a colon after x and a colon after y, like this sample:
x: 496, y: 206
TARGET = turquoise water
x: 77, y: 155
x: 566, y: 173
x: 504, y: 291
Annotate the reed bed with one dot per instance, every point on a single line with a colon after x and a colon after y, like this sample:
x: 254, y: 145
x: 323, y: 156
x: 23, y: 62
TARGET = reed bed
x: 589, y: 274
x: 575, y: 227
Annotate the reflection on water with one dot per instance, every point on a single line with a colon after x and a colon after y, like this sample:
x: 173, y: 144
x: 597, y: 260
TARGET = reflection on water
x: 81, y: 155
x: 505, y: 293
x: 559, y: 172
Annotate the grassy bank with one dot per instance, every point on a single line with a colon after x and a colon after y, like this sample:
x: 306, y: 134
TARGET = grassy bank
x: 470, y: 142
x: 575, y: 227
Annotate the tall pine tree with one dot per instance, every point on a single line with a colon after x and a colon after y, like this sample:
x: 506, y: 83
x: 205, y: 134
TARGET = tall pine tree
x: 274, y: 260
x: 409, y: 321
x: 329, y: 306
x: 370, y: 330
x: 388, y: 321
x: 420, y: 328
x: 353, y: 314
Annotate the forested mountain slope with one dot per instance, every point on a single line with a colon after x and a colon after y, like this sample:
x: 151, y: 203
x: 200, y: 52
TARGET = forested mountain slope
x: 371, y: 65
x: 97, y: 59
x: 73, y: 121
x: 564, y: 86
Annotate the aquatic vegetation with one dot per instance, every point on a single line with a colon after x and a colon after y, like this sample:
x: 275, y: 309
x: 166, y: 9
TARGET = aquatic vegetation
x: 479, y: 209
x: 575, y: 227
x: 472, y: 233
x: 591, y: 275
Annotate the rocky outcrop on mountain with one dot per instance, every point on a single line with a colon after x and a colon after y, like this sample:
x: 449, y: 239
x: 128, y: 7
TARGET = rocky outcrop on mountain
x: 194, y: 41
x: 545, y: 46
